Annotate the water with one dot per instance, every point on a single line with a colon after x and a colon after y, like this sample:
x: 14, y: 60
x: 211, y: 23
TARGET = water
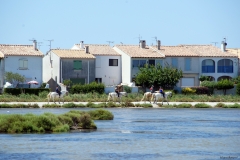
x: 134, y: 134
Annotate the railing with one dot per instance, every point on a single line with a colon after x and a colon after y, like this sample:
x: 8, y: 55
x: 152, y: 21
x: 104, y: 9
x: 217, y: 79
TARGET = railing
x: 208, y: 69
x: 225, y: 69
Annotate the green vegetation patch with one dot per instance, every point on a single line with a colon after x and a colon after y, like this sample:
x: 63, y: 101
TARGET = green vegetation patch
x: 50, y: 123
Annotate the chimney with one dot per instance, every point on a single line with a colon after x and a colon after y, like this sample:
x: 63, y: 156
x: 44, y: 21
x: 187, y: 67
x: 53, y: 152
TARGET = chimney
x: 142, y: 43
x: 35, y: 45
x: 87, y: 49
x: 159, y: 44
x: 223, y: 46
x: 81, y: 45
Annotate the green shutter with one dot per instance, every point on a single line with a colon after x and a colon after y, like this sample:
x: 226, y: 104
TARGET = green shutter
x: 77, y: 65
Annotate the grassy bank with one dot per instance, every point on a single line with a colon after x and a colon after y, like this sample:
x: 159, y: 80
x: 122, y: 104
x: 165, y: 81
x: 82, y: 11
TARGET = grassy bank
x: 132, y: 97
x: 50, y: 123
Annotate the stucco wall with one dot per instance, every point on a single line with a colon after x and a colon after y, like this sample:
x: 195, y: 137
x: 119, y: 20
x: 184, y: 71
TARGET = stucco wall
x: 126, y: 67
x: 111, y: 75
x: 34, y: 67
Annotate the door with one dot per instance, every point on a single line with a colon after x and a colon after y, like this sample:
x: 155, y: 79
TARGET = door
x: 188, y: 82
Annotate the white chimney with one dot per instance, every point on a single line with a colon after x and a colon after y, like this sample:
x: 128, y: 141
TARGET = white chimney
x: 223, y: 46
x: 87, y: 49
x: 142, y: 43
x: 159, y: 44
x: 81, y: 45
x: 35, y: 45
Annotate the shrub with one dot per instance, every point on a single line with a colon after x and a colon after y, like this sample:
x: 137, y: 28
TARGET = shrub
x: 238, y: 89
x: 202, y: 105
x: 224, y: 84
x: 184, y: 105
x: 220, y: 105
x: 85, y: 121
x: 101, y: 114
x: 188, y: 90
x: 127, y: 89
x: 204, y: 78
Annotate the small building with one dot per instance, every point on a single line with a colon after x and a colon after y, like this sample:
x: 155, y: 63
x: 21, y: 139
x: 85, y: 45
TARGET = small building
x: 107, y: 64
x: 68, y: 64
x: 25, y: 60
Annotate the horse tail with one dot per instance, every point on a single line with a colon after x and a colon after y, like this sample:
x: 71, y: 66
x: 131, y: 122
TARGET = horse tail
x: 48, y: 96
x: 143, y: 96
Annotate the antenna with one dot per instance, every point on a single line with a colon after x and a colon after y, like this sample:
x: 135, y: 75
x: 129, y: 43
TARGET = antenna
x: 50, y: 43
x: 139, y: 37
x: 121, y: 43
x: 39, y: 44
x: 110, y: 42
x: 155, y: 39
x: 214, y: 43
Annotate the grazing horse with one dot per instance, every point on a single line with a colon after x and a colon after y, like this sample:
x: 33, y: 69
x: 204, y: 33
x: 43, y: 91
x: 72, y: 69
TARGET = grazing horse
x: 113, y: 95
x: 53, y: 95
x: 156, y: 96
x: 148, y: 96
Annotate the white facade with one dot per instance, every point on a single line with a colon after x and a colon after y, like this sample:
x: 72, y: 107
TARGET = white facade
x: 33, y: 71
x: 51, y: 67
x: 125, y: 67
x: 109, y: 75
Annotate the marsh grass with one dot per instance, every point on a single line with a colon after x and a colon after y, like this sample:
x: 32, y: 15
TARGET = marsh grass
x: 48, y: 122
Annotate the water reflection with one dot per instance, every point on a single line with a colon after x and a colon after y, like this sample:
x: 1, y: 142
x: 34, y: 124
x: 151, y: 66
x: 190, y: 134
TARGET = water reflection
x: 134, y: 134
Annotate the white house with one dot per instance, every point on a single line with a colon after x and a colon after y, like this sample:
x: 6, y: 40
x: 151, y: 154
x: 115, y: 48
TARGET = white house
x: 134, y: 56
x: 25, y: 60
x: 107, y: 65
x: 193, y: 60
x: 67, y: 64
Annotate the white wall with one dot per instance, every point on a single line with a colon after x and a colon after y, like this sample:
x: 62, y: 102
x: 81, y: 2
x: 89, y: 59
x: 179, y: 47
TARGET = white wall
x: 111, y: 75
x: 51, y: 71
x: 1, y: 72
x: 126, y: 66
x: 34, y: 67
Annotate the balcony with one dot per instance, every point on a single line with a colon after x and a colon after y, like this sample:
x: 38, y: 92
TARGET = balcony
x: 225, y: 69
x: 208, y: 69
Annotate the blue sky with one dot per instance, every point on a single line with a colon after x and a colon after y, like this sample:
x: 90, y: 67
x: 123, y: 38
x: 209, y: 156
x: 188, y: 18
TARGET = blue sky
x: 68, y: 22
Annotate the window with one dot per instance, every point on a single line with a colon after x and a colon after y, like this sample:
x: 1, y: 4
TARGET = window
x: 225, y: 66
x: 77, y: 65
x: 23, y: 64
x: 151, y: 62
x: 208, y: 66
x: 174, y: 62
x: 113, y: 62
x: 142, y: 63
x: 135, y: 63
x: 187, y: 64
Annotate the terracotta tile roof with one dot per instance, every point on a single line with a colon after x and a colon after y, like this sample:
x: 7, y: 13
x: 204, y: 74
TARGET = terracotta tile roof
x: 176, y: 51
x: 19, y: 50
x: 208, y: 51
x: 72, y: 53
x: 96, y: 49
x: 135, y: 51
x: 235, y: 51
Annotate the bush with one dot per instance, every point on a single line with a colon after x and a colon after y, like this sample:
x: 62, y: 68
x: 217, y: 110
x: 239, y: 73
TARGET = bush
x: 202, y: 105
x: 224, y: 84
x: 238, y: 89
x: 127, y: 89
x: 188, y: 90
x: 101, y: 114
x: 88, y: 88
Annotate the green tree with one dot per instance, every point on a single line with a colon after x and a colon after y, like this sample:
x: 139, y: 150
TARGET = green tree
x: 210, y: 85
x: 224, y: 84
x: 167, y: 76
x: 14, y: 77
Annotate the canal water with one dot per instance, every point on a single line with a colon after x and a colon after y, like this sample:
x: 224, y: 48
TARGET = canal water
x: 134, y: 134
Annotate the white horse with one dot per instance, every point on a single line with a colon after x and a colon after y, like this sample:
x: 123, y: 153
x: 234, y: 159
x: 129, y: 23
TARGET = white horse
x: 148, y: 96
x: 53, y: 95
x: 156, y: 96
x: 113, y: 95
